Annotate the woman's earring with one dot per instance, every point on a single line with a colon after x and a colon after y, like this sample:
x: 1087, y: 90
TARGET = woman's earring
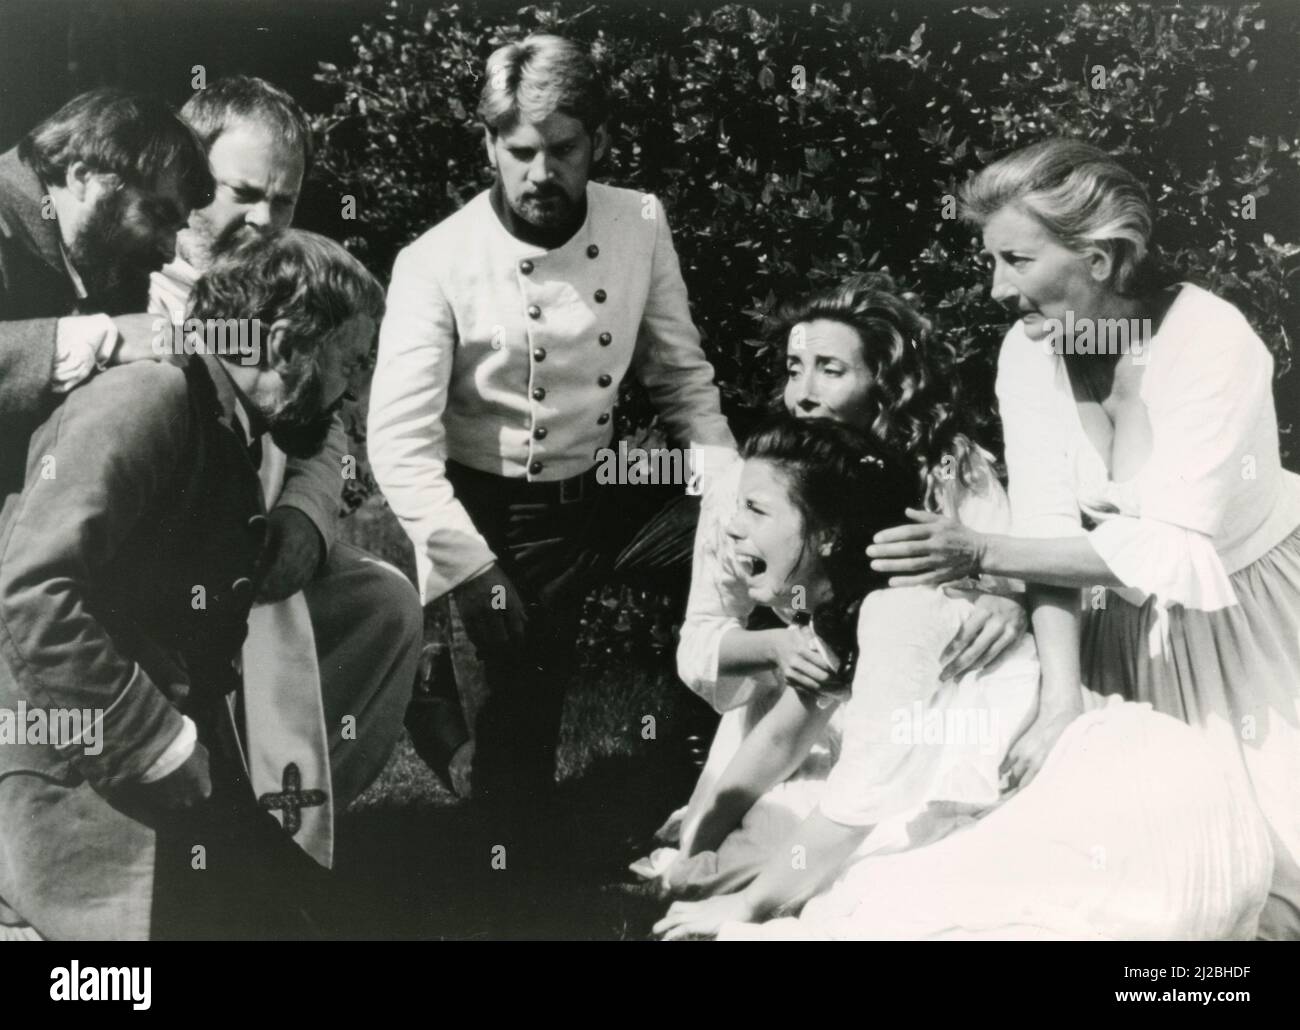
x: 826, y: 549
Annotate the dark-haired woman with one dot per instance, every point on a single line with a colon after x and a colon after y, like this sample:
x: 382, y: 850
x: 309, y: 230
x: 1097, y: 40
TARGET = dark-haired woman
x: 1126, y: 833
x: 857, y: 354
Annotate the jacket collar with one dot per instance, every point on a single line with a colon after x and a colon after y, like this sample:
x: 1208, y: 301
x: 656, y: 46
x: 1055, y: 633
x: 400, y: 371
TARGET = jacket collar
x: 21, y: 195
x: 229, y: 396
x: 547, y: 239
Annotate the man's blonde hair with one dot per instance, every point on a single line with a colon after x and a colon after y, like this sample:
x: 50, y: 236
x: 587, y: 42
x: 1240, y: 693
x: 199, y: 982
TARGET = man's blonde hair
x: 537, y: 76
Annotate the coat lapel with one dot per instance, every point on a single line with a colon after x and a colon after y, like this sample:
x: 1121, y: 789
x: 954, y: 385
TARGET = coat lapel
x: 21, y: 214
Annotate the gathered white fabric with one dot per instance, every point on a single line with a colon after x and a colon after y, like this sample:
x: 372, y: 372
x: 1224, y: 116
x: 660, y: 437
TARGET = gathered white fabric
x: 1211, y: 498
x: 718, y: 602
x: 1131, y: 830
x: 907, y: 755
x: 909, y: 740
x: 1169, y: 562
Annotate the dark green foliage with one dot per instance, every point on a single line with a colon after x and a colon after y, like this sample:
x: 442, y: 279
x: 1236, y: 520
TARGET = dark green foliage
x: 772, y: 189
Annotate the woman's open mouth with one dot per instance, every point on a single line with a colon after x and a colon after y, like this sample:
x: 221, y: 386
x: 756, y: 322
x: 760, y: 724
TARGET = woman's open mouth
x: 752, y: 564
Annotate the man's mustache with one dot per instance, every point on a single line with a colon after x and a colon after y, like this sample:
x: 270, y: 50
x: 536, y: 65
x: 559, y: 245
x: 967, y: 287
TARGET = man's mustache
x: 238, y: 233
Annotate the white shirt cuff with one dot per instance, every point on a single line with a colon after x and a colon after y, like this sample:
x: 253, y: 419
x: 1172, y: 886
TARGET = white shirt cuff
x: 82, y: 343
x: 177, y: 754
x: 1176, y: 565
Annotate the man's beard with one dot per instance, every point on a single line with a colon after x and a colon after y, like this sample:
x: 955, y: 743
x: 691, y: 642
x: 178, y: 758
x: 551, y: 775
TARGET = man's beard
x: 114, y: 275
x: 557, y: 212
x: 301, y: 425
x: 199, y: 245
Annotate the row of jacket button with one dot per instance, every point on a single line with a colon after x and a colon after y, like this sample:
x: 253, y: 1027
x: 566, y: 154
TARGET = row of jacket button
x: 604, y: 379
x: 535, y: 312
x: 241, y: 590
x: 527, y: 266
x: 539, y: 354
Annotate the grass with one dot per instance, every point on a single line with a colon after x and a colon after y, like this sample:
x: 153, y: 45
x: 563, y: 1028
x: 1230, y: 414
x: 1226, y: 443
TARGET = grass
x: 413, y: 863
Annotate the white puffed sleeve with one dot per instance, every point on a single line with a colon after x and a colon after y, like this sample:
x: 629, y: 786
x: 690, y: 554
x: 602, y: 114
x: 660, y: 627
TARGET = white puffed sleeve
x: 1210, y: 383
x: 718, y: 602
x: 1175, y: 565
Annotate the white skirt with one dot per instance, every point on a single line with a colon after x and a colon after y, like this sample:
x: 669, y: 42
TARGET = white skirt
x: 1130, y: 831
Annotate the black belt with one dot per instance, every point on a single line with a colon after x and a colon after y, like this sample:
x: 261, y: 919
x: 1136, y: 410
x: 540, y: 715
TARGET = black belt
x: 554, y: 491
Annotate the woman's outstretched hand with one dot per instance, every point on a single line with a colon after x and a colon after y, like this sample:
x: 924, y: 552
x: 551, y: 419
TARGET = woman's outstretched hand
x: 1027, y: 754
x: 686, y: 919
x: 801, y: 661
x: 934, y: 549
x: 995, y: 624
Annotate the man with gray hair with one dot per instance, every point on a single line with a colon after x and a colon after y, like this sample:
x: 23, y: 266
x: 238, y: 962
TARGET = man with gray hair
x: 510, y: 326
x: 126, y: 581
x: 333, y: 621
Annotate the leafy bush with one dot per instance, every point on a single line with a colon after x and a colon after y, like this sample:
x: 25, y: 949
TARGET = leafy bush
x: 791, y: 145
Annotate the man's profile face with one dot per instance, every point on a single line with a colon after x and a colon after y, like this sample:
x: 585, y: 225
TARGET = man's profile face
x: 544, y: 166
x: 312, y: 392
x: 127, y: 232
x: 259, y: 178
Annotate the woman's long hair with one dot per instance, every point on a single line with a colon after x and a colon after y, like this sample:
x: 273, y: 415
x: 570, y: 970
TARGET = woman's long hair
x: 913, y: 392
x: 848, y: 487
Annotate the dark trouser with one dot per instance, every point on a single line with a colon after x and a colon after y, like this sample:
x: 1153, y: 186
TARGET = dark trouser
x: 255, y: 881
x: 555, y: 542
x: 367, y: 620
x: 226, y: 870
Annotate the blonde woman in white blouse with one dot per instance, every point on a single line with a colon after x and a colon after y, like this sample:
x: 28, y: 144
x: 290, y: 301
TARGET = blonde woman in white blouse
x: 1149, y: 478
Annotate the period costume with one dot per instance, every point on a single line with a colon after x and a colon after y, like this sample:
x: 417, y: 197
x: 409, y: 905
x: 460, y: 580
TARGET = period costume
x: 126, y: 577
x: 499, y: 367
x: 38, y: 286
x: 1206, y: 539
x: 718, y: 603
x: 1130, y: 831
x: 328, y: 670
x: 357, y: 607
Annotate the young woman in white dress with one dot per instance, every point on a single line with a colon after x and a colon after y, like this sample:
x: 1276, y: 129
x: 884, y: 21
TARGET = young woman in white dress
x: 1148, y: 476
x: 1128, y: 832
x: 860, y: 354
